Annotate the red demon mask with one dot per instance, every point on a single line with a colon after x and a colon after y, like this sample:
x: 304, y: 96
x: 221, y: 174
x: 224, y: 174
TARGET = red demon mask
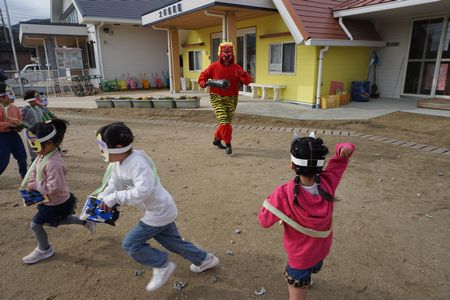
x: 226, y: 54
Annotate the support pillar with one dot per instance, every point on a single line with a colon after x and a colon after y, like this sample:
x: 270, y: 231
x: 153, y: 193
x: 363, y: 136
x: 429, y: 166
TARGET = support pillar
x: 174, y: 52
x: 231, y: 29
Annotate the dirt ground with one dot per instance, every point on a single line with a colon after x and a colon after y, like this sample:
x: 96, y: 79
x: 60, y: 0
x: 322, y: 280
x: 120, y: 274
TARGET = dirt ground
x: 391, y: 221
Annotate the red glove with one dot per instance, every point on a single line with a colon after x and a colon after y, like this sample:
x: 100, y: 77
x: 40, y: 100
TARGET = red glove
x: 202, y: 84
x: 239, y: 73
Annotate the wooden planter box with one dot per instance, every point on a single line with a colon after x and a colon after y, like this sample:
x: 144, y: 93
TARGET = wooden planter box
x: 123, y: 103
x: 188, y: 103
x: 142, y: 103
x: 163, y: 103
x: 104, y: 103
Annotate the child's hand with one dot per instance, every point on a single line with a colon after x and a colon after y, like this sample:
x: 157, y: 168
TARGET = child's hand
x: 105, y: 207
x: 345, y: 152
x: 239, y: 73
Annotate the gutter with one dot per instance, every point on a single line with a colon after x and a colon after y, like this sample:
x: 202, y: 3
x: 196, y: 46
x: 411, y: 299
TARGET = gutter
x: 347, y: 32
x: 171, y: 85
x: 224, y: 23
x: 319, y: 76
x: 345, y: 43
x: 99, y: 49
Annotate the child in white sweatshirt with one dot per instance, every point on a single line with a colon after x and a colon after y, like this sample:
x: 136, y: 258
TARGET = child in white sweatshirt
x: 134, y: 181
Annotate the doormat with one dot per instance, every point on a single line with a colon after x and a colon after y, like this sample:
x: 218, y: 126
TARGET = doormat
x: 443, y: 104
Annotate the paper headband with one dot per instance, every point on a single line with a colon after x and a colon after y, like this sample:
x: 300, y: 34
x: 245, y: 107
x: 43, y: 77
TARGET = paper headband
x: 307, y: 162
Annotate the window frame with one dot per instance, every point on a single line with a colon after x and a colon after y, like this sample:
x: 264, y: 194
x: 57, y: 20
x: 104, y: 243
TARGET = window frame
x: 282, y: 51
x: 196, y: 68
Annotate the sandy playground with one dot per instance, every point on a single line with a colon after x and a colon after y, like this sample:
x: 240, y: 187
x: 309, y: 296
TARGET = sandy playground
x: 391, y: 221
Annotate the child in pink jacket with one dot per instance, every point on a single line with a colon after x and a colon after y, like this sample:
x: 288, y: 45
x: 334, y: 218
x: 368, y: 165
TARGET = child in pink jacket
x: 305, y: 207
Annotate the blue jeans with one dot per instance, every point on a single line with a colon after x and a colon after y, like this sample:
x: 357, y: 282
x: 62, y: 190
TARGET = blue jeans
x: 11, y: 143
x: 135, y: 244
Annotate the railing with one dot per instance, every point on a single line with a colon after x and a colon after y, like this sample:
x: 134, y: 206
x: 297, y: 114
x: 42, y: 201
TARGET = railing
x: 79, y: 83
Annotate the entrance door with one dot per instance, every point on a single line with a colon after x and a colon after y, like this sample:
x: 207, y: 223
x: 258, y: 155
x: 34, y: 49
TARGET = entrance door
x: 245, y: 52
x: 428, y: 66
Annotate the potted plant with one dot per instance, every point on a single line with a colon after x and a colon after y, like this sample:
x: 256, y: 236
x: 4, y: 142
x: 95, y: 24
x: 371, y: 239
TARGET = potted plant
x: 143, y: 102
x: 104, y: 102
x: 123, y: 102
x: 188, y: 102
x: 164, y: 102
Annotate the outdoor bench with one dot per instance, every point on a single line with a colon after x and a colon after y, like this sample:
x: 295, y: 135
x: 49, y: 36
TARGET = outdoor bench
x: 276, y: 90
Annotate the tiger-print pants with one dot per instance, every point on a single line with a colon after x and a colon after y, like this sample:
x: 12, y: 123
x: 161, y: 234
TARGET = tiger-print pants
x: 224, y: 108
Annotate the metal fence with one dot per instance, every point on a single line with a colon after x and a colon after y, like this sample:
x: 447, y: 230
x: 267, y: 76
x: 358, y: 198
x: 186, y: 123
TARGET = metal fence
x: 78, y: 83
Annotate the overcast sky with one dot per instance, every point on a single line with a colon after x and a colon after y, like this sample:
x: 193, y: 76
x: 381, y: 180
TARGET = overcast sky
x: 23, y: 10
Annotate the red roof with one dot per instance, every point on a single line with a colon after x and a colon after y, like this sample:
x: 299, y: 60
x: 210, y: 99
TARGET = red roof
x: 359, y: 3
x: 314, y: 19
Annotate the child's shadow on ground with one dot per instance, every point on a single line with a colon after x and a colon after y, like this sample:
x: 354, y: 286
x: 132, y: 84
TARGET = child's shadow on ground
x: 258, y: 153
x: 99, y: 251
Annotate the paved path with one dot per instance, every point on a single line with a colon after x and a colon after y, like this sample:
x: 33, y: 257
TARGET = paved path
x: 281, y: 109
x: 304, y: 131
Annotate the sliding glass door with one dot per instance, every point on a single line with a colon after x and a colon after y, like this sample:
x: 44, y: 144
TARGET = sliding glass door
x: 428, y: 69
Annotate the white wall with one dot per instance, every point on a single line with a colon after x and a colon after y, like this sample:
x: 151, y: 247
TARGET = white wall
x: 133, y: 50
x: 393, y: 59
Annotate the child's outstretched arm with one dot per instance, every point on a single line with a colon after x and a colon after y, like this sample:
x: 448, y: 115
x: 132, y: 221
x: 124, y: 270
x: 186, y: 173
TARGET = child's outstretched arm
x: 144, y: 182
x: 265, y: 217
x: 338, y: 164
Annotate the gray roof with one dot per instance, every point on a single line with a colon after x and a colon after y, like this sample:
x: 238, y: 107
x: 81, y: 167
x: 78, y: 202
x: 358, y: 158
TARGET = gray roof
x: 122, y: 9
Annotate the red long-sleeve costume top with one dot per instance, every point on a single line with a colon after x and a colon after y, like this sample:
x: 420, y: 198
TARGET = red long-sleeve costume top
x: 227, y: 69
x: 233, y: 73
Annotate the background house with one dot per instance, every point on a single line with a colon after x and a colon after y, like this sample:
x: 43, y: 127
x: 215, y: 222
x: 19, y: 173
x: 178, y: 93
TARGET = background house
x: 110, y: 35
x: 6, y: 55
x: 306, y: 45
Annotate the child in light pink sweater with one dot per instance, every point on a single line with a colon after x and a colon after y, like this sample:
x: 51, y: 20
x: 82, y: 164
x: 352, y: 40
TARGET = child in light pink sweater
x: 47, y: 175
x: 305, y: 207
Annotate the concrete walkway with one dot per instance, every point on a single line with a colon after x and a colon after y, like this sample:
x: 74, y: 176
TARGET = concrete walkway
x: 352, y: 111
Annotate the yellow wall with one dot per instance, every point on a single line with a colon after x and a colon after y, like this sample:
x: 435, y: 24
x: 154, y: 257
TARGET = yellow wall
x: 341, y: 63
x: 345, y: 64
x: 300, y: 85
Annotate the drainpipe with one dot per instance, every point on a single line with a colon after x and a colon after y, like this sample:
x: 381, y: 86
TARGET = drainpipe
x: 347, y: 32
x: 171, y: 85
x: 224, y: 23
x: 99, y: 49
x: 319, y: 76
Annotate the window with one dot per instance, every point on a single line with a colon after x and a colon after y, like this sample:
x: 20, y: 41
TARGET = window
x: 70, y: 16
x: 282, y: 58
x: 195, y: 60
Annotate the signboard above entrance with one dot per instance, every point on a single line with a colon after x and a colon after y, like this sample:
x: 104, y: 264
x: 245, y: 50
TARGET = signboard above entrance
x: 171, y: 10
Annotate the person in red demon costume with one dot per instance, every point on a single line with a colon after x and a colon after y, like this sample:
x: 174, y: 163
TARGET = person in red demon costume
x: 224, y: 100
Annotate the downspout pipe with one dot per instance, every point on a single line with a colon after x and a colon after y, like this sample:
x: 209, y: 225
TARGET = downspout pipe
x: 347, y: 32
x: 319, y: 76
x: 99, y: 49
x: 224, y: 23
x: 171, y: 85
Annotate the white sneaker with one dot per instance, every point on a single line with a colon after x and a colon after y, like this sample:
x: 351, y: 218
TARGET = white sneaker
x: 37, y: 255
x: 210, y: 262
x: 91, y: 226
x: 160, y: 276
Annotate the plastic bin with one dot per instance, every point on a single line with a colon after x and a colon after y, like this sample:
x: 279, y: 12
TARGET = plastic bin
x: 361, y: 91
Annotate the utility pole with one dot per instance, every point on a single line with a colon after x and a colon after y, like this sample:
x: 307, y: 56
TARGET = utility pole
x: 4, y: 27
x: 13, y: 46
